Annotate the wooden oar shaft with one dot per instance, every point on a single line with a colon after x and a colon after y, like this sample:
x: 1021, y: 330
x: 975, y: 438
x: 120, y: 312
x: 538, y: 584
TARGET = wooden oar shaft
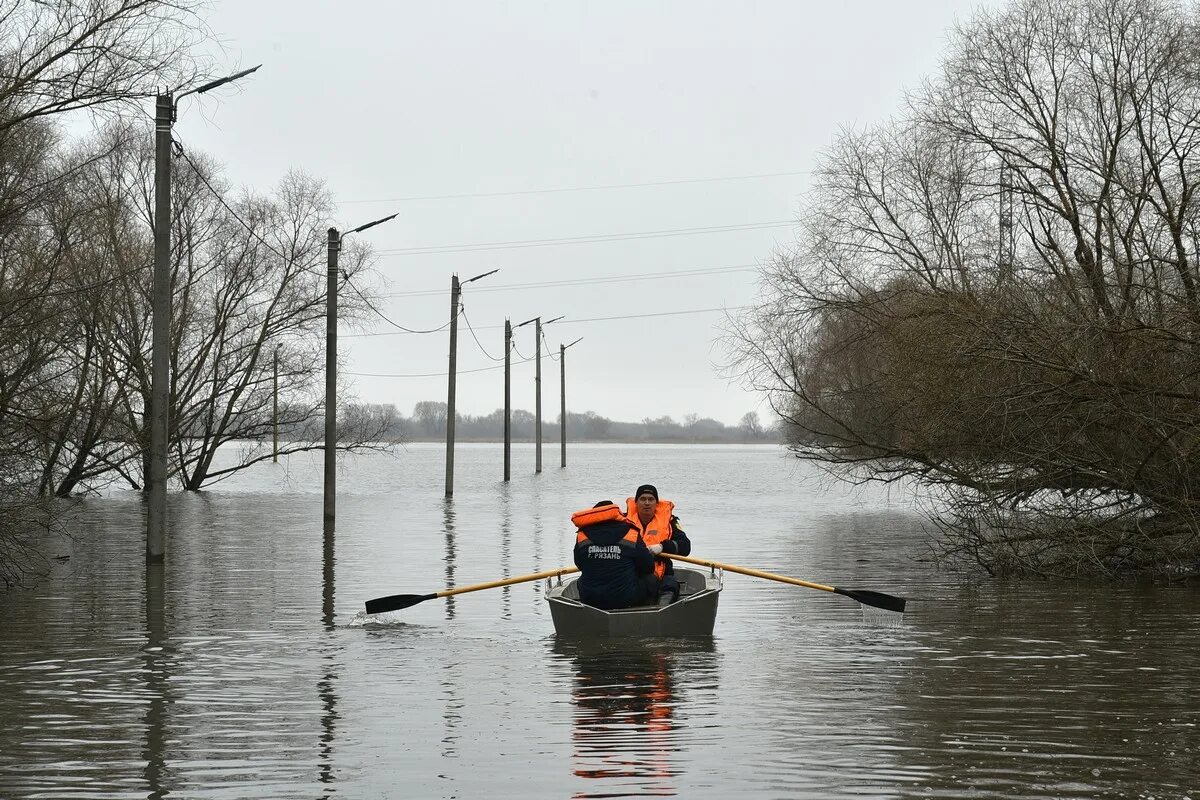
x: 752, y: 572
x: 550, y: 573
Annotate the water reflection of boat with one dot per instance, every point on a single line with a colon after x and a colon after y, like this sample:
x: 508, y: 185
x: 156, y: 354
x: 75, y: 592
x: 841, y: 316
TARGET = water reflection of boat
x: 626, y: 731
x: 693, y: 614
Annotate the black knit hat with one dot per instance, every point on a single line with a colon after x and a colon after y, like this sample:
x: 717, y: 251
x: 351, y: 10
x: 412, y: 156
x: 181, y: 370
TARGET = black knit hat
x: 643, y: 489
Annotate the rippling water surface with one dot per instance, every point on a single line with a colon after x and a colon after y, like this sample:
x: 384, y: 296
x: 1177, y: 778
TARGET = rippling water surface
x: 244, y: 669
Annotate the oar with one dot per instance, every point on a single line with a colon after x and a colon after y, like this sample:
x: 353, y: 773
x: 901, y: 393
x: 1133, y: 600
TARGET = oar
x: 866, y: 597
x: 396, y: 602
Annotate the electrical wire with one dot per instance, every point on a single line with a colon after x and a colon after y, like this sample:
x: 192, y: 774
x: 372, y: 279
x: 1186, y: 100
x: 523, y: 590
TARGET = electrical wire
x: 221, y: 199
x: 482, y: 349
x: 345, y: 275
x: 600, y: 187
x: 428, y: 374
x: 657, y: 314
x: 683, y: 273
x: 590, y: 239
x: 549, y: 351
x: 371, y: 306
x: 596, y: 319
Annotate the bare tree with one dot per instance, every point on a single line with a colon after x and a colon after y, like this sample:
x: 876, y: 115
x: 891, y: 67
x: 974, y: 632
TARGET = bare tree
x: 751, y: 425
x: 248, y: 282
x: 72, y: 54
x: 431, y: 416
x: 995, y: 294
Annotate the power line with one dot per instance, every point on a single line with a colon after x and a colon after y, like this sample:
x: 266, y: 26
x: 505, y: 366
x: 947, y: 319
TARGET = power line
x: 345, y: 275
x: 221, y: 199
x: 684, y: 273
x: 549, y: 350
x: 590, y: 239
x: 600, y: 187
x: 428, y: 374
x: 482, y: 349
x: 657, y: 314
x: 397, y: 325
x: 588, y: 319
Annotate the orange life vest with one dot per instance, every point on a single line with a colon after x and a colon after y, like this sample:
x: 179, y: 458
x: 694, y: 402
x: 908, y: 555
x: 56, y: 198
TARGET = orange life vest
x: 656, y: 531
x: 590, y: 516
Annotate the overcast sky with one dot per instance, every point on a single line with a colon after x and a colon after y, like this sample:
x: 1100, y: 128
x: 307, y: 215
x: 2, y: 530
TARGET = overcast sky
x: 493, y: 126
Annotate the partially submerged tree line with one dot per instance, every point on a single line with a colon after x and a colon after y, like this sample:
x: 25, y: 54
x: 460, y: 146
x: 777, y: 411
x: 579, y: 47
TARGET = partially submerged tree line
x: 995, y: 295
x: 76, y: 254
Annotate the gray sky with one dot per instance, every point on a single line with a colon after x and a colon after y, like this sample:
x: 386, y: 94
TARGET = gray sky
x: 413, y: 107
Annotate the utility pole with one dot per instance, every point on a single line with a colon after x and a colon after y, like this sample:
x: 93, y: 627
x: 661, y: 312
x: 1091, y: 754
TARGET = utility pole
x: 507, y: 399
x: 160, y: 342
x: 331, y: 275
x: 455, y: 290
x: 562, y: 419
x: 1007, y: 242
x: 275, y: 405
x: 507, y: 404
x: 538, y: 400
x: 455, y: 295
x: 159, y: 412
x: 537, y: 383
x: 331, y: 293
x: 562, y: 412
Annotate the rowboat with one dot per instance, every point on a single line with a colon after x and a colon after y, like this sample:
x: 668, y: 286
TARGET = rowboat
x: 693, y: 614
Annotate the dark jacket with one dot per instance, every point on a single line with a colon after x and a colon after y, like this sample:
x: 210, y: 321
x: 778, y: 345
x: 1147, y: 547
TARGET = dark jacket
x: 614, y: 571
x: 668, y: 533
x: 679, y: 543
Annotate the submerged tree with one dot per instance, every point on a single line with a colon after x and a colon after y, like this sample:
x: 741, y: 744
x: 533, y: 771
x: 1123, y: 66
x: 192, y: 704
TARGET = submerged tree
x: 995, y: 296
x: 54, y: 58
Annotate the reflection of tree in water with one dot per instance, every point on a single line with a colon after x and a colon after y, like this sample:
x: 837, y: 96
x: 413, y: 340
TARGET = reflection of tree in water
x: 626, y: 696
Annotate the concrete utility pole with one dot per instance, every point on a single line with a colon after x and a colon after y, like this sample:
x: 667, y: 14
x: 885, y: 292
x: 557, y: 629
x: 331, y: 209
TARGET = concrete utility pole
x: 160, y: 342
x: 159, y: 412
x: 538, y: 401
x: 455, y: 297
x: 455, y: 290
x: 329, y: 509
x: 507, y: 403
x: 562, y: 419
x: 275, y: 405
x: 562, y: 412
x: 507, y: 399
x: 1007, y: 242
x: 537, y: 409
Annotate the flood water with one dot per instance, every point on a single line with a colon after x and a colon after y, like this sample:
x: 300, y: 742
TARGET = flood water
x: 244, y: 670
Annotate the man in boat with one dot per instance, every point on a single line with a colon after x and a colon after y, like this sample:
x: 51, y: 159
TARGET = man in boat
x: 616, y: 568
x: 661, y: 530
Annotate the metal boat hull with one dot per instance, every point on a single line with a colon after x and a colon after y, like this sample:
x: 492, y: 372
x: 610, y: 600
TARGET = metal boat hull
x: 693, y: 614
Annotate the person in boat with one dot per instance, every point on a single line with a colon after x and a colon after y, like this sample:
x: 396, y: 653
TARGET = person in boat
x: 662, y: 531
x: 616, y: 568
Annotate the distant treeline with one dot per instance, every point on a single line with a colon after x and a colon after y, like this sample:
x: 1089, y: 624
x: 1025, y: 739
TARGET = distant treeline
x: 428, y: 422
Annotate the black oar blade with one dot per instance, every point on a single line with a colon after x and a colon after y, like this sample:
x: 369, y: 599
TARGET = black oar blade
x: 396, y: 602
x: 878, y: 599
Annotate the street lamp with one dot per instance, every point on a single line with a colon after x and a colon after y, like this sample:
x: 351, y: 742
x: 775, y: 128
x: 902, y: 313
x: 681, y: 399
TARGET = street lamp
x: 331, y: 275
x: 455, y: 294
x: 160, y: 301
